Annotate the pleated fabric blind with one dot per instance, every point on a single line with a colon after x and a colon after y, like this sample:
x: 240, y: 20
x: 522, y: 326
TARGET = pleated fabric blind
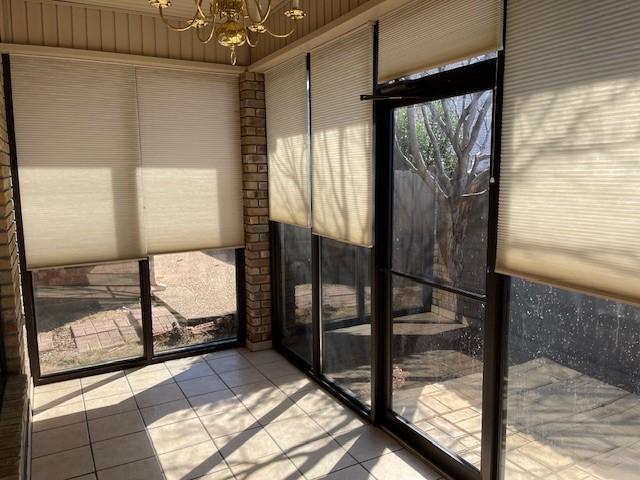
x: 570, y: 167
x: 288, y: 142
x: 119, y: 162
x: 425, y: 34
x: 77, y: 144
x: 191, y: 163
x: 341, y: 131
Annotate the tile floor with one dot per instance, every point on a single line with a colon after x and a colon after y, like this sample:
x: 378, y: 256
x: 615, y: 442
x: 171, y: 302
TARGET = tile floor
x: 227, y: 415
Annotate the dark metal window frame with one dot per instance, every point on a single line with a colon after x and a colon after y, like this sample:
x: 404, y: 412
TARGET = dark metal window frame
x: 484, y: 75
x: 148, y: 356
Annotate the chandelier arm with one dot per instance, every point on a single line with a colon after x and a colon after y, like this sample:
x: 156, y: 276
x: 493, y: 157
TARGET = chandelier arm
x: 173, y: 27
x: 209, y: 37
x: 280, y: 35
x: 250, y: 43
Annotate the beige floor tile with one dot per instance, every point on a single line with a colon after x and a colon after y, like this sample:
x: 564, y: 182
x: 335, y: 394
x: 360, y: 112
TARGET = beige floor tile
x: 59, y: 439
x: 177, y: 435
x: 111, y: 405
x: 320, y: 457
x: 277, y: 369
x: 355, y: 472
x: 246, y: 376
x: 67, y: 384
x: 222, y: 353
x: 149, y: 380
x: 183, y: 362
x: 147, y: 469
x: 229, y: 364
x: 229, y: 421
x: 214, y: 402
x: 192, y: 462
x: 47, y: 399
x: 121, y: 450
x: 313, y: 400
x: 400, y: 466
x: 224, y: 474
x: 118, y: 386
x: 58, y: 417
x: 263, y: 356
x: 202, y: 385
x: 246, y: 446
x: 293, y: 383
x: 294, y: 432
x: 158, y: 395
x: 337, y: 419
x: 367, y: 442
x: 115, y: 426
x: 91, y: 476
x: 60, y: 466
x: 101, y: 379
x: 147, y: 369
x: 269, y: 405
x: 189, y: 372
x: 272, y: 467
x: 167, y: 413
x: 255, y: 390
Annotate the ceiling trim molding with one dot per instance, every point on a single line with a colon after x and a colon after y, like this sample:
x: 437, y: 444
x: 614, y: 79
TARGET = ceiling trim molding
x: 121, y: 59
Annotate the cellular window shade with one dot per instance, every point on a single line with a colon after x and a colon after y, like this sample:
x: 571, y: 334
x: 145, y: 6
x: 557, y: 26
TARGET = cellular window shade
x: 191, y: 163
x: 341, y: 130
x: 425, y: 34
x: 288, y: 142
x: 77, y: 145
x: 570, y: 168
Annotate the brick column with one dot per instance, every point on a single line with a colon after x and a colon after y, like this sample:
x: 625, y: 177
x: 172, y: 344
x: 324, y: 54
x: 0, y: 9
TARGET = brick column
x: 256, y: 210
x: 11, y: 317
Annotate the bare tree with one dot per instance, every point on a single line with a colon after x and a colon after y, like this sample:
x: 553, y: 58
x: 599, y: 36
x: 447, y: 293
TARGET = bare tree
x: 447, y: 144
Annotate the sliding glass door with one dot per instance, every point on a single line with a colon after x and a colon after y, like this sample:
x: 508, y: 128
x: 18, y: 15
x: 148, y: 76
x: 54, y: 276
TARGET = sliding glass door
x: 441, y: 159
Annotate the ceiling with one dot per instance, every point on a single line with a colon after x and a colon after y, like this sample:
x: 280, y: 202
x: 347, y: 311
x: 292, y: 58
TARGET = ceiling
x: 179, y: 8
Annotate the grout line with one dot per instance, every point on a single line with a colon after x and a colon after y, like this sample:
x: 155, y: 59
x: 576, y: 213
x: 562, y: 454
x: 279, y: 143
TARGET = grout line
x: 93, y: 459
x: 146, y: 431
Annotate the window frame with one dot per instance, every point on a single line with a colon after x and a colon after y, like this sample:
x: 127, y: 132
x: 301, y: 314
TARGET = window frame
x: 148, y: 357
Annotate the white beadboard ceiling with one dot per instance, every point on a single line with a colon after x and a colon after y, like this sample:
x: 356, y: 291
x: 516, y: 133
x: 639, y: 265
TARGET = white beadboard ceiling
x: 179, y: 8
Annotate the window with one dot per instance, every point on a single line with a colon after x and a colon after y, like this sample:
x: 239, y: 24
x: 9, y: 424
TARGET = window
x: 194, y: 299
x: 87, y: 315
x: 346, y: 317
x: 572, y: 392
x: 295, y: 302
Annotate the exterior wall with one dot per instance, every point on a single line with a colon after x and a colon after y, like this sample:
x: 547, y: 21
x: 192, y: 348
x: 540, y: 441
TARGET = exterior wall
x: 319, y: 13
x: 14, y: 420
x: 54, y: 24
x: 14, y: 405
x: 256, y: 210
x: 11, y: 315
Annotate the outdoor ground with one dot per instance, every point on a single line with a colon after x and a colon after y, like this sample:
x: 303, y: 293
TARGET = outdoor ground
x: 193, y: 302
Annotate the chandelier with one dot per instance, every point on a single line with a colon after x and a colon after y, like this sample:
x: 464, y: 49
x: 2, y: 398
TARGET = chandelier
x: 232, y: 23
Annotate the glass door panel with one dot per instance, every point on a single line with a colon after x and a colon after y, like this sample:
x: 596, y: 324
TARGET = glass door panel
x: 442, y: 154
x: 437, y: 365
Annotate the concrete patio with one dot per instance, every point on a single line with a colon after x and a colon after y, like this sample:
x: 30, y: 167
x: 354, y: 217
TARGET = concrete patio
x: 225, y: 415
